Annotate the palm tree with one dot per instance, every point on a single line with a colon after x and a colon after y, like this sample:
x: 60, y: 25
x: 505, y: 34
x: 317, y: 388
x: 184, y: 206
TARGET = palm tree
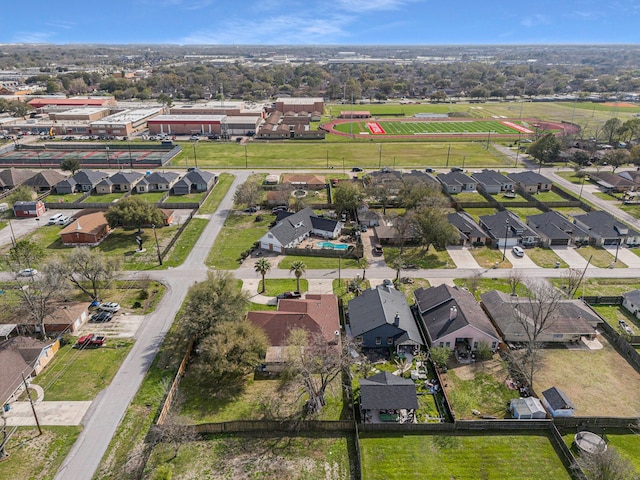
x: 298, y: 268
x: 262, y: 266
x: 363, y: 264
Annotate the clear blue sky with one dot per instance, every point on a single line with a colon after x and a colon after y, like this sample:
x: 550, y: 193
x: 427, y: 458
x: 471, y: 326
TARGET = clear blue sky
x: 321, y: 22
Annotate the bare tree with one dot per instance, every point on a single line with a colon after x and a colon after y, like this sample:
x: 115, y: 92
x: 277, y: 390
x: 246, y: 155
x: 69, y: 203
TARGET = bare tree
x: 249, y: 193
x: 572, y: 280
x: 88, y: 270
x: 605, y: 465
x: 473, y: 283
x: 515, y: 279
x: 175, y: 430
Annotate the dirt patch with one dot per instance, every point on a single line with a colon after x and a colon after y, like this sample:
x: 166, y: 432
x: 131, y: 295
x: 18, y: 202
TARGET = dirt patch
x: 620, y: 104
x: 494, y: 367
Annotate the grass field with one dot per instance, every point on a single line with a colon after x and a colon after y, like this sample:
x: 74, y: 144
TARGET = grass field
x: 276, y: 286
x: 421, y: 257
x: 314, y: 263
x: 459, y: 457
x: 488, y: 284
x: 603, y: 286
x: 435, y: 127
x: 490, y: 257
x: 545, y: 257
x: 239, y: 233
x: 212, y: 202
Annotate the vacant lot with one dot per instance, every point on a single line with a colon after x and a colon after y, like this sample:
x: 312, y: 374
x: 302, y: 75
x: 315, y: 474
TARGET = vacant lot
x: 490, y: 257
x: 239, y: 233
x: 247, y: 457
x: 459, y: 457
x: 589, y: 377
x: 420, y: 257
x: 602, y: 286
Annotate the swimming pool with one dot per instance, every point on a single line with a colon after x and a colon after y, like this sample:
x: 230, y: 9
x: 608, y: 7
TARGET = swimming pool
x: 333, y: 246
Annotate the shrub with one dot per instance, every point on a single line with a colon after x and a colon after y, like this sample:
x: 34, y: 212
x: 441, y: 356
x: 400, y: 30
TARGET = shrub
x: 136, y: 304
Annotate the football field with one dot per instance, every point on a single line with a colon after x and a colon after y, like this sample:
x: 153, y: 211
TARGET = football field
x: 449, y: 127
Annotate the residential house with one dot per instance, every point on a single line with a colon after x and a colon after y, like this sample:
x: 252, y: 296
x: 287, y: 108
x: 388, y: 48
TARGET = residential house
x: 381, y: 318
x: 457, y: 182
x: 104, y: 186
x: 31, y: 209
x: 492, y: 182
x: 125, y: 181
x: 308, y: 181
x: 44, y: 181
x: 553, y: 229
x: 529, y: 408
x: 531, y: 182
x: 386, y: 397
x: 631, y: 302
x: 557, y: 403
x: 390, y: 235
x: 12, y: 177
x: 294, y: 228
x: 613, y: 183
x: 195, y: 181
x: 515, y: 318
x: 157, y: 182
x: 604, y: 229
x: 452, y: 318
x: 470, y: 233
x: 318, y: 314
x: 89, y: 229
x: 22, y: 356
x: 82, y: 181
x: 394, y: 180
x: 506, y: 227
x: 370, y: 218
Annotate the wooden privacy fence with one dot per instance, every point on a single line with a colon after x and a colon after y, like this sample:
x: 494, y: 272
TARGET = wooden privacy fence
x: 174, y: 385
x: 239, y: 426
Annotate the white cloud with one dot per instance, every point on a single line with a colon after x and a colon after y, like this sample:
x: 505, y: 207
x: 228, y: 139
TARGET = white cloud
x: 61, y: 24
x: 365, y: 6
x: 535, y: 20
x: 32, y: 37
x: 587, y: 15
x: 182, y: 4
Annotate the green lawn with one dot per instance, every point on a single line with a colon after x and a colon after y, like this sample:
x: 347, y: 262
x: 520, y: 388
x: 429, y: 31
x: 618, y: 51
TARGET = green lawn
x: 76, y: 374
x: 460, y: 457
x: 276, y: 286
x: 476, y: 213
x: 239, y: 233
x: 308, y: 457
x: 151, y: 197
x: 613, y: 313
x: 571, y: 176
x: 489, y: 257
x: 419, y: 256
x: 468, y: 197
x: 212, y: 202
x: 602, y: 286
x: 502, y: 198
x: 409, y: 288
x: 487, y: 284
x: 103, y: 198
x: 626, y: 444
x: 190, y: 197
x: 545, y: 257
x: 185, y: 243
x: 524, y: 212
x: 549, y: 197
x: 599, y: 257
x: 315, y: 263
x: 63, y: 198
x: 606, y: 196
x: 631, y: 210
x: 34, y: 456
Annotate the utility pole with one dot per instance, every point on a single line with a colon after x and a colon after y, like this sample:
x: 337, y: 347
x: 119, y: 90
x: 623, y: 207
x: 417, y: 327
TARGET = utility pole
x: 195, y: 158
x: 448, y: 154
x: 33, y: 408
x: 155, y: 234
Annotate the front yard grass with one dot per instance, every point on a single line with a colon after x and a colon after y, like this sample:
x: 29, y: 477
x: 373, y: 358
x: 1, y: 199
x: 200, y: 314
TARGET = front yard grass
x: 212, y: 202
x: 631, y: 210
x: 239, y: 233
x: 524, y: 212
x: 599, y: 257
x: 35, y: 456
x: 409, y: 288
x: 420, y: 257
x: 490, y: 257
x: 315, y: 263
x: 545, y: 257
x: 80, y: 374
x: 390, y: 457
x: 309, y: 457
x: 188, y: 238
x: 487, y: 284
x: 276, y: 286
x: 589, y: 377
x: 601, y: 286
x: 341, y: 289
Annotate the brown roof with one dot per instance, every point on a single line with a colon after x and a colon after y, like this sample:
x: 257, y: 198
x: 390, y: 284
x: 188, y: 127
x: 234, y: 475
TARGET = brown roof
x: 66, y: 313
x: 314, y: 313
x: 307, y: 178
x: 91, y: 223
x: 11, y: 177
x: 46, y: 178
x: 17, y: 356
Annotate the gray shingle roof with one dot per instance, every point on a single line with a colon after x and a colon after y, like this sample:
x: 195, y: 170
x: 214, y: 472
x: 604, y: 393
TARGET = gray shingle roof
x: 125, y: 178
x: 455, y: 178
x: 557, y: 399
x: 466, y: 224
x: 379, y: 306
x: 491, y: 177
x: 554, y: 225
x: 496, y: 225
x: 160, y: 178
x: 200, y: 177
x: 387, y: 391
x: 604, y: 224
x: 633, y: 296
x: 89, y: 177
x: 528, y: 178
x: 293, y: 226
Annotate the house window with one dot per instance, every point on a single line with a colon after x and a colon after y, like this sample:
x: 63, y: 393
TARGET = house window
x: 389, y: 340
x: 448, y: 344
x: 441, y: 344
x: 494, y: 345
x: 358, y: 339
x: 558, y: 335
x: 475, y: 345
x: 378, y: 341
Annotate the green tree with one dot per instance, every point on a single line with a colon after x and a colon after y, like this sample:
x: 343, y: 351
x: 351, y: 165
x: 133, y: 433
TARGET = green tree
x: 440, y: 356
x: 20, y: 194
x: 217, y: 299
x: 90, y: 270
x: 634, y: 155
x: 262, y: 266
x: 616, y: 158
x: 545, y: 149
x: 133, y: 212
x: 433, y: 228
x: 70, y: 165
x: 610, y: 129
x: 298, y: 268
x: 348, y: 197
x: 605, y: 465
x: 24, y: 254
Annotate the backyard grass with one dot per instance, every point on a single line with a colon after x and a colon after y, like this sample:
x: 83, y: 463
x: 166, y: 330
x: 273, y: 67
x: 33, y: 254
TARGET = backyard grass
x: 588, y: 378
x: 239, y: 233
x: 602, y: 286
x: 490, y: 257
x: 276, y: 286
x: 62, y: 198
x: 314, y: 263
x: 468, y: 197
x: 502, y: 198
x: 478, y: 386
x: 420, y: 257
x: 390, y: 457
x: 80, y: 374
x: 524, y: 212
x: 626, y: 444
x: 549, y: 197
x: 34, y: 456
x: 599, y: 257
x: 545, y: 257
x: 188, y: 198
x: 151, y: 197
x: 569, y: 211
x: 487, y: 284
x: 476, y: 213
x: 613, y: 313
x: 313, y: 457
x: 103, y: 198
x: 212, y: 202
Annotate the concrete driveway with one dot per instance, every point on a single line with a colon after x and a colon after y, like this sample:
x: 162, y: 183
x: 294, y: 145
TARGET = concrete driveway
x: 49, y: 413
x: 462, y: 257
x: 570, y: 256
x: 520, y: 262
x: 625, y: 255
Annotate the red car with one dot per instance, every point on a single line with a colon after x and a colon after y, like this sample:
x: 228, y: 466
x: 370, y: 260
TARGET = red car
x: 91, y: 340
x: 84, y: 340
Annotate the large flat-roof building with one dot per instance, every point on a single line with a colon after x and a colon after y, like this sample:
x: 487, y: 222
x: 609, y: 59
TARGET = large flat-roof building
x: 80, y: 113
x: 232, y: 108
x: 203, y: 124
x: 300, y: 104
x: 126, y: 122
x: 59, y: 101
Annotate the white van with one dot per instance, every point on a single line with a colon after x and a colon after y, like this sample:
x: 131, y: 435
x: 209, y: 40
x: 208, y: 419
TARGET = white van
x: 54, y: 219
x: 64, y: 220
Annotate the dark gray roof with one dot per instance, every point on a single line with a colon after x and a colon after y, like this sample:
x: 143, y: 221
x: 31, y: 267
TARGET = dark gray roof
x: 89, y: 177
x: 604, y: 224
x: 380, y: 306
x: 557, y: 399
x: 455, y: 178
x: 45, y: 179
x: 435, y: 304
x: 200, y: 177
x: 105, y: 181
x: 491, y: 177
x: 125, y: 178
x: 528, y: 178
x: 387, y: 391
x: 466, y: 224
x: 569, y: 317
x: 67, y: 181
x: 495, y: 225
x: 297, y: 224
x: 633, y: 296
x: 160, y: 178
x: 554, y: 225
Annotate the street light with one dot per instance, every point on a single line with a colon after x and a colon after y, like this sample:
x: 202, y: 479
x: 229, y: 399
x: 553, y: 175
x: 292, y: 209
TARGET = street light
x: 195, y: 158
x: 130, y: 157
x: 246, y: 159
x: 518, y: 149
x: 581, y: 187
x: 106, y: 148
x: 615, y: 260
x: 506, y: 237
x: 379, y: 155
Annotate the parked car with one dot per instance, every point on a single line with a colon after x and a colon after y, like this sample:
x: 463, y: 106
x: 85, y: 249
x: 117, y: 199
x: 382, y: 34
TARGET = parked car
x: 84, y: 340
x: 27, y: 272
x: 54, y: 219
x: 295, y: 294
x: 109, y: 307
x: 356, y: 169
x: 251, y: 209
x: 214, y: 137
x: 280, y: 208
x: 377, y: 249
x: 518, y: 251
x: 194, y: 137
x: 457, y: 169
x: 91, y: 340
x: 363, y: 228
x: 101, y: 317
x: 428, y: 170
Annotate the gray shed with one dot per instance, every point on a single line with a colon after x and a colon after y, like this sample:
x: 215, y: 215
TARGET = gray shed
x: 527, y: 408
